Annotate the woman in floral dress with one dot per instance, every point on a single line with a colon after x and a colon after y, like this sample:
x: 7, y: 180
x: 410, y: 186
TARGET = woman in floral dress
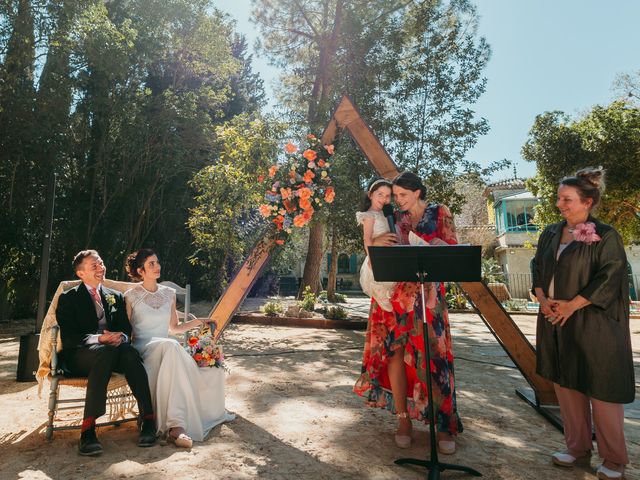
x: 393, y: 369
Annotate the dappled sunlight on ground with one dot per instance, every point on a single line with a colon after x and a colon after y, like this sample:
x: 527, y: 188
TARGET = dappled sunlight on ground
x: 291, y: 389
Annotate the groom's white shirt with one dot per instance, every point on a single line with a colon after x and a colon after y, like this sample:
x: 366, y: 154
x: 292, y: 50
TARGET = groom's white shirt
x: 95, y: 338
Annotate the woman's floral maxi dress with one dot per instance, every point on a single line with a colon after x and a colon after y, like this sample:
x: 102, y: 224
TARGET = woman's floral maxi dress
x: 400, y: 333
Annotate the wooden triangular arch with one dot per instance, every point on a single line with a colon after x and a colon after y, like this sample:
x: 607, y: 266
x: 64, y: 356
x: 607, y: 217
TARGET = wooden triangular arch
x: 347, y: 118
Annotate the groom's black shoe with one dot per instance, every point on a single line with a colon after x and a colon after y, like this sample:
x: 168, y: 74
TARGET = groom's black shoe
x: 89, y: 444
x: 147, y: 433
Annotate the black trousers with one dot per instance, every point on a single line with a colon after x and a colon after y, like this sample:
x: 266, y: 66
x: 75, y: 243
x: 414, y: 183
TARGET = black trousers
x: 96, y: 362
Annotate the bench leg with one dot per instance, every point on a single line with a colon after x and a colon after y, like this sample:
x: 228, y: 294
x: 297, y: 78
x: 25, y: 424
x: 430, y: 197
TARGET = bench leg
x: 53, y: 406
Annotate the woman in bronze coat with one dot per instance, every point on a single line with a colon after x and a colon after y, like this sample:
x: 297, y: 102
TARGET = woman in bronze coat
x: 583, y: 338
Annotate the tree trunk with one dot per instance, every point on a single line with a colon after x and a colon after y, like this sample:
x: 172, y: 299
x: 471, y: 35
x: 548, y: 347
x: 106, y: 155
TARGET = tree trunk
x: 311, y: 275
x: 319, y: 96
x: 333, y: 269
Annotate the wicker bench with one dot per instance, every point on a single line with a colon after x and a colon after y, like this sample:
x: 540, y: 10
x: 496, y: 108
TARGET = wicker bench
x: 121, y: 404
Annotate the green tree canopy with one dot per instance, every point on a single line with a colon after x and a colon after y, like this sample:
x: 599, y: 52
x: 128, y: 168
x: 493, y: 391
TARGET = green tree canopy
x: 607, y: 136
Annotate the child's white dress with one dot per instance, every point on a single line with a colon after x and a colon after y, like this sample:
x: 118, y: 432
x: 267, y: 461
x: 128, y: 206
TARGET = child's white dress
x: 380, y: 291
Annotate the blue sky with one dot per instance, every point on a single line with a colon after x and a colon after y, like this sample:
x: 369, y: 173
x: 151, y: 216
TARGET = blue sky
x: 546, y: 55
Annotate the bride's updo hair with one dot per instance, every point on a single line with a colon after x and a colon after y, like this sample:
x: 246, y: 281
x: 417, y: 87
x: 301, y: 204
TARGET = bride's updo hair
x: 589, y: 182
x: 135, y: 261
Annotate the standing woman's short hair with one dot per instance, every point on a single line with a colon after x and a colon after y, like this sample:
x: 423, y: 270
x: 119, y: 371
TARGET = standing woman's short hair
x: 135, y: 261
x: 411, y: 181
x: 374, y: 185
x: 589, y: 182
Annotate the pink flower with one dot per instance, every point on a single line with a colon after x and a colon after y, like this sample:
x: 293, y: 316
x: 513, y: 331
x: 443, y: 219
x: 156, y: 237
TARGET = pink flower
x: 586, y: 232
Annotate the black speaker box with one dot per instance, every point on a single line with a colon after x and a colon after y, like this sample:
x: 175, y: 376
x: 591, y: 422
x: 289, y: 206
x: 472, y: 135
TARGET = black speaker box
x: 28, y: 358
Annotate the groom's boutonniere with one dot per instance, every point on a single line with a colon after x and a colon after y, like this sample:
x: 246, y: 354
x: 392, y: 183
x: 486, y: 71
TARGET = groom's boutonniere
x: 111, y: 300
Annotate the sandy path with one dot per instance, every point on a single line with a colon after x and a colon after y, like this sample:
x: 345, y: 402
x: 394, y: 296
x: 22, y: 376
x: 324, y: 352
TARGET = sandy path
x: 297, y: 418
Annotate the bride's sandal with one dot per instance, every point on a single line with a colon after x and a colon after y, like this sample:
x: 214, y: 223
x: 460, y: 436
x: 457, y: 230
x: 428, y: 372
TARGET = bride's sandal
x: 181, y: 440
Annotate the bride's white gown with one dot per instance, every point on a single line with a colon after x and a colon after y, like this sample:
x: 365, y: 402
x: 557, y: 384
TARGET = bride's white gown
x: 183, y: 394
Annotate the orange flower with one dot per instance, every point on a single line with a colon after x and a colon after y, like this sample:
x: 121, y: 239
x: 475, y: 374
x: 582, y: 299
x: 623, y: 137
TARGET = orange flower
x: 265, y: 210
x: 193, y: 341
x: 311, y: 136
x: 260, y: 178
x: 285, y: 192
x: 279, y: 220
x: 321, y: 163
x: 299, y: 221
x: 279, y: 241
x: 197, y: 357
x: 329, y: 195
x: 330, y: 149
x: 305, y: 203
x: 308, y: 176
x: 308, y: 213
x: 304, y: 192
x: 289, y: 206
x: 310, y: 155
x: 290, y: 148
x: 273, y: 170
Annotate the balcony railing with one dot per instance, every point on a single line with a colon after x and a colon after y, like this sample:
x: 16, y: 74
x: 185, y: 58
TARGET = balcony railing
x: 519, y: 285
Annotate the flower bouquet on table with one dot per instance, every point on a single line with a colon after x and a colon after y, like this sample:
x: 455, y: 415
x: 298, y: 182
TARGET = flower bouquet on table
x: 297, y: 187
x: 203, y: 349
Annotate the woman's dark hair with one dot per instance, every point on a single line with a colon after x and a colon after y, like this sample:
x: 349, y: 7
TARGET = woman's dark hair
x: 589, y: 182
x: 411, y: 181
x: 135, y: 261
x: 374, y: 185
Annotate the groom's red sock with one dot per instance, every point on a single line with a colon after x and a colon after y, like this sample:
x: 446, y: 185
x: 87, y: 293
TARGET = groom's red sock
x: 88, y: 423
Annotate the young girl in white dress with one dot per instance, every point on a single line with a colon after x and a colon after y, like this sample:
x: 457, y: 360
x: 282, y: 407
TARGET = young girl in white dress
x: 374, y: 224
x: 188, y: 400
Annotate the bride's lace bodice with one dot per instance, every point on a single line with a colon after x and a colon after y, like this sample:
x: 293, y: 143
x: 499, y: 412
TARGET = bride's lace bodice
x: 380, y: 226
x: 150, y: 313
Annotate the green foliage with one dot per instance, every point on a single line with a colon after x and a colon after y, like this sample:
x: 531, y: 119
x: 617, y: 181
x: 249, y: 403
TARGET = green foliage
x: 336, y: 312
x: 223, y: 221
x: 339, y: 297
x: 308, y: 301
x: 455, y: 298
x: 514, y: 305
x: 606, y: 136
x: 491, y: 270
x: 125, y: 111
x: 273, y: 308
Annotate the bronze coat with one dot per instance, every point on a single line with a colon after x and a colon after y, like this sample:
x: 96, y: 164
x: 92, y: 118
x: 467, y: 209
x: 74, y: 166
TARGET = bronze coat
x: 592, y: 352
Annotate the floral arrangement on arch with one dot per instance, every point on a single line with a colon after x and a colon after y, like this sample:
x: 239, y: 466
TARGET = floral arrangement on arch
x: 204, y: 350
x: 298, y: 187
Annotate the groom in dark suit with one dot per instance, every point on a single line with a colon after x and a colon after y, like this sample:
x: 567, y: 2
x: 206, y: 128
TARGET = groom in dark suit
x: 95, y: 332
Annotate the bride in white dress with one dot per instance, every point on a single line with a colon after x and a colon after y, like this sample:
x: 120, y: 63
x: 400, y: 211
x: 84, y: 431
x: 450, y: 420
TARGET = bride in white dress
x: 188, y: 400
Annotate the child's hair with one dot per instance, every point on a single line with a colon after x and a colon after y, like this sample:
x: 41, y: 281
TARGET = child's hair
x: 374, y: 185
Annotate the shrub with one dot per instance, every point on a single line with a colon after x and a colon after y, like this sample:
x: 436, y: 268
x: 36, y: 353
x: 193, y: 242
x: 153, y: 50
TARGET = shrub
x: 455, y: 299
x: 272, y: 309
x: 336, y: 313
x: 340, y: 297
x: 308, y: 301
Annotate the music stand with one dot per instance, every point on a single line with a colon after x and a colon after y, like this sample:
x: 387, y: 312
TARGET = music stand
x: 450, y: 263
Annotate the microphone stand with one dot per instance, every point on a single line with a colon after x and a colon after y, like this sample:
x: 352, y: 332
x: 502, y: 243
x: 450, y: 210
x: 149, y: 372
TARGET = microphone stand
x: 433, y: 465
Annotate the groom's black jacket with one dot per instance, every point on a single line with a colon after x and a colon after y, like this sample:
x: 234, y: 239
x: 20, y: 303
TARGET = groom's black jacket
x: 77, y: 316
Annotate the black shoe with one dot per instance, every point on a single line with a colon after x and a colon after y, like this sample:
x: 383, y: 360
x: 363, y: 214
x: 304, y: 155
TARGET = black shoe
x: 147, y: 433
x: 89, y: 444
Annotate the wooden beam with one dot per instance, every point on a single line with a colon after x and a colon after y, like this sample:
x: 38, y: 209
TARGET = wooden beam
x: 347, y: 117
x: 240, y: 286
x: 510, y: 338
